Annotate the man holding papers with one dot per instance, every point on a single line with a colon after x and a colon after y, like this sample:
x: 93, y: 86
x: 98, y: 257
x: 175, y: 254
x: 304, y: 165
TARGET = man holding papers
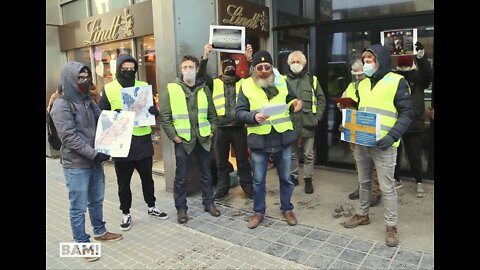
x: 267, y: 134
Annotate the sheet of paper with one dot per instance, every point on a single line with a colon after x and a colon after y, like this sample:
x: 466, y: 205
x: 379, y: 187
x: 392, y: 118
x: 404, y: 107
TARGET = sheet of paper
x: 138, y: 99
x: 360, y: 127
x: 114, y: 133
x: 273, y: 109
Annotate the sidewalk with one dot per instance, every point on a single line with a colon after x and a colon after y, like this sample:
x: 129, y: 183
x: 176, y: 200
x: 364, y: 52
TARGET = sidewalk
x: 206, y: 242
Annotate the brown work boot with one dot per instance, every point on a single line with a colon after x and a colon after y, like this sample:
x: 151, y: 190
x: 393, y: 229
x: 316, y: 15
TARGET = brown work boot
x: 108, y: 236
x: 213, y: 210
x: 182, y: 217
x: 290, y: 217
x: 392, y: 239
x: 255, y: 220
x: 356, y: 220
x: 374, y: 200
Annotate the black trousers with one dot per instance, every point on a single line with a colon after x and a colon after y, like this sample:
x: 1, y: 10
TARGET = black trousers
x: 237, y: 136
x: 124, y: 171
x: 412, y: 145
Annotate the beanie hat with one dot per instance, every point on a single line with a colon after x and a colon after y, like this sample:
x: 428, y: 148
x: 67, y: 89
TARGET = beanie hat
x: 405, y: 61
x: 228, y: 62
x: 260, y: 57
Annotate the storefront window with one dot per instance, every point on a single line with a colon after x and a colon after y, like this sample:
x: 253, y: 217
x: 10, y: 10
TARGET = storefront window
x: 81, y: 55
x: 104, y: 6
x: 74, y: 11
x: 341, y: 9
x: 105, y: 56
x: 293, y: 39
x: 293, y: 12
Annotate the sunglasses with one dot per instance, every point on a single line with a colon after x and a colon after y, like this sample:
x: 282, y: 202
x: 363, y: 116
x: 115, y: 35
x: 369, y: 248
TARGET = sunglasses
x: 263, y: 67
x: 82, y: 78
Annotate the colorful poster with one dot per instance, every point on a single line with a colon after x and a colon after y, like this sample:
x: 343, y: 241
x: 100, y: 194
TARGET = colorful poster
x: 138, y: 99
x: 360, y: 127
x: 399, y: 42
x: 114, y: 133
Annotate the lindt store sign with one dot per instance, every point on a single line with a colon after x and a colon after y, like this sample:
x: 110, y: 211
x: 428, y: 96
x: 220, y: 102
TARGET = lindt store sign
x: 242, y: 13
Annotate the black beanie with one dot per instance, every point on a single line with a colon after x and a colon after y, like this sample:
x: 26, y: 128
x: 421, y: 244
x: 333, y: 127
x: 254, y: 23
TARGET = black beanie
x: 228, y: 62
x: 260, y: 57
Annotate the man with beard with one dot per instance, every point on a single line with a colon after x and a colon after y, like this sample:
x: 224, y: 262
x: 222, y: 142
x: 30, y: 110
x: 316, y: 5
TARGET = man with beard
x: 308, y: 90
x: 386, y: 94
x: 268, y: 134
x: 188, y: 117
x: 229, y: 130
x: 140, y: 157
x: 419, y: 76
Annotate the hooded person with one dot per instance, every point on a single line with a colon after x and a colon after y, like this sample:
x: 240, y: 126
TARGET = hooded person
x: 230, y: 131
x: 140, y: 156
x: 386, y: 94
x: 417, y: 70
x: 75, y: 116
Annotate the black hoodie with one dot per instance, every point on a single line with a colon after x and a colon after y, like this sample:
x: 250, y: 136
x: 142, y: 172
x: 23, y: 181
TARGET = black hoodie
x: 402, y: 100
x: 141, y: 146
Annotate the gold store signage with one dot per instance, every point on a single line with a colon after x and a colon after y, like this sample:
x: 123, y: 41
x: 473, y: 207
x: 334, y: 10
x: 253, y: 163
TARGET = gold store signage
x: 241, y: 13
x: 125, y: 23
x: 98, y: 34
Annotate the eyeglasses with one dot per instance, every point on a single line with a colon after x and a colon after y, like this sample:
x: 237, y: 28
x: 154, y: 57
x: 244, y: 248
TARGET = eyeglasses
x: 127, y: 69
x: 263, y: 67
x: 82, y: 78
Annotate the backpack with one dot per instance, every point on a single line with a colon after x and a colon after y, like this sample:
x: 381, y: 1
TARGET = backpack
x: 53, y: 138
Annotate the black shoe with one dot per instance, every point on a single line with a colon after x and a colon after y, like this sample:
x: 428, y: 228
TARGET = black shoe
x: 354, y: 195
x: 126, y: 222
x: 374, y: 200
x: 220, y: 195
x: 294, y: 180
x: 308, y: 185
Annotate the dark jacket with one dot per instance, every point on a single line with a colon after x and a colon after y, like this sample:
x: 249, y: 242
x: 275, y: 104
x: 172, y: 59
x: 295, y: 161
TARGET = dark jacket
x: 418, y: 79
x: 271, y: 142
x: 166, y: 119
x: 229, y: 118
x: 402, y: 100
x: 141, y: 146
x: 75, y: 129
x: 305, y: 120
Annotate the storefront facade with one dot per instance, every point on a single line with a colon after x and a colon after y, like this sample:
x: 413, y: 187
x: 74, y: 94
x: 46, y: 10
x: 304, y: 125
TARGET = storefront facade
x: 158, y: 32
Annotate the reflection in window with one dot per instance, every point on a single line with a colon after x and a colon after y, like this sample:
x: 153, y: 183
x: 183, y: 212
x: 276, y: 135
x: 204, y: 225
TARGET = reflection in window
x: 81, y: 55
x: 74, y: 11
x: 348, y: 9
x: 104, y: 6
x: 293, y: 12
x: 105, y: 56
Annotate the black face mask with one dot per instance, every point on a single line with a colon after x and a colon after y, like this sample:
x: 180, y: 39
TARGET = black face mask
x: 84, y: 86
x: 128, y: 74
x: 230, y: 72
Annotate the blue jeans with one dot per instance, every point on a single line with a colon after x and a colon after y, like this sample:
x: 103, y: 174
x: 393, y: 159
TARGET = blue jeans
x: 283, y: 162
x: 181, y: 175
x: 384, y: 161
x: 86, y: 187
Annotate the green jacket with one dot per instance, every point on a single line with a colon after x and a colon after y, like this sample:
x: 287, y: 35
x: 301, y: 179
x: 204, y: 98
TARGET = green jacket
x: 305, y: 121
x: 166, y: 120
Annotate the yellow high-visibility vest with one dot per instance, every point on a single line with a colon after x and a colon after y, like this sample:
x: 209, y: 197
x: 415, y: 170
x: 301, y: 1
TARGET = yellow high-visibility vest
x: 113, y: 90
x: 379, y: 100
x: 180, y: 113
x: 257, y: 98
x: 218, y: 95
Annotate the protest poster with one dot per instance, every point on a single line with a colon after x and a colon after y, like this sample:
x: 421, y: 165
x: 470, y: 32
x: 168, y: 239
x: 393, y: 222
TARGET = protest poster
x: 114, y: 133
x: 400, y: 41
x: 139, y: 99
x: 225, y: 38
x: 360, y: 127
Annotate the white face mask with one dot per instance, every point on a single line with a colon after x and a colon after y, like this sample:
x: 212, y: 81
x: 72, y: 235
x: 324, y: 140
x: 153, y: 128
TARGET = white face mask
x: 296, y: 68
x: 189, y: 76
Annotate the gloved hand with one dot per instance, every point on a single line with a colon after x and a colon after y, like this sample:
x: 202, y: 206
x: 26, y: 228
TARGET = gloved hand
x: 153, y: 110
x: 101, y: 157
x: 385, y: 142
x: 118, y: 110
x: 420, y: 50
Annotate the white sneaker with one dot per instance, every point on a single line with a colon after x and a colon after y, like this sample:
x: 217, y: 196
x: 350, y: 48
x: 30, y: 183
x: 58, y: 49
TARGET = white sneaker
x: 398, y: 184
x: 126, y: 222
x: 420, y: 191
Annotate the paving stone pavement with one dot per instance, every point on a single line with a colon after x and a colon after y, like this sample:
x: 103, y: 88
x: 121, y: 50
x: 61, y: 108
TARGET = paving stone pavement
x: 207, y: 242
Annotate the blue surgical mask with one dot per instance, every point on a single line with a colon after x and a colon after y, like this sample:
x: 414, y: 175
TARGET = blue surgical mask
x: 368, y: 69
